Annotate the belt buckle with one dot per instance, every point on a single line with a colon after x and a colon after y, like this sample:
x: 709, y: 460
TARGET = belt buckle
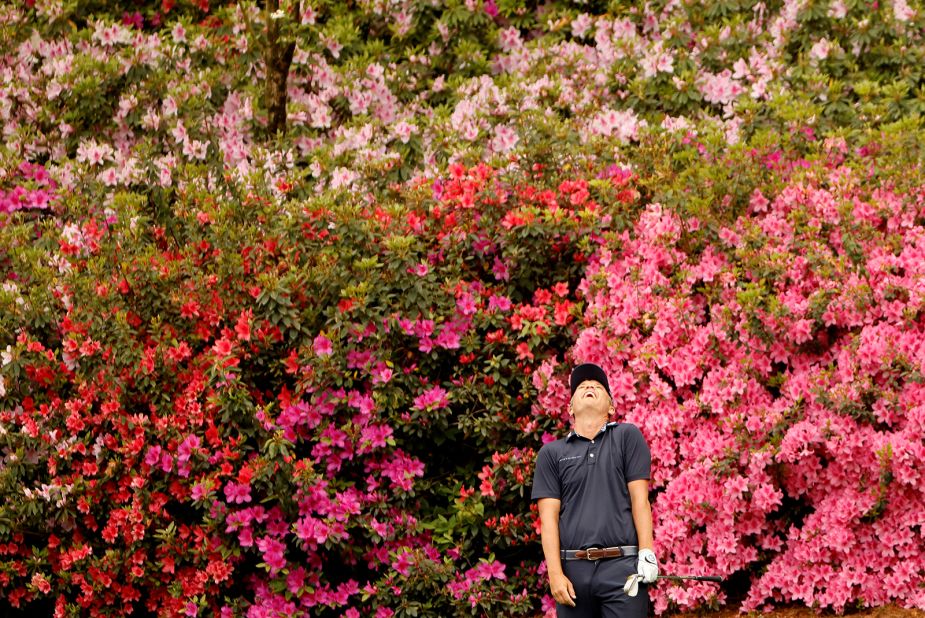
x: 594, y: 553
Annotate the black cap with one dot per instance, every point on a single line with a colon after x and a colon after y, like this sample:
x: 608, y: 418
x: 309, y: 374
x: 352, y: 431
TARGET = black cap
x: 589, y: 371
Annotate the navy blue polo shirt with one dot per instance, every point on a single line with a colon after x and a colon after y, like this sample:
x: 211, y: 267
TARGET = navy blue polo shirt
x: 589, y: 477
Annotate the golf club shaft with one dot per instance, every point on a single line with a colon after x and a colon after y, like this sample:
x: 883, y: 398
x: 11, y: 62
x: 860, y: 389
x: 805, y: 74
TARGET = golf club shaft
x: 695, y: 578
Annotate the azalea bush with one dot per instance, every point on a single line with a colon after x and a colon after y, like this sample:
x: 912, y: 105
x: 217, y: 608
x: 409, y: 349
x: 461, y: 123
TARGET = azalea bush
x: 225, y: 395
x: 307, y: 371
x: 774, y: 363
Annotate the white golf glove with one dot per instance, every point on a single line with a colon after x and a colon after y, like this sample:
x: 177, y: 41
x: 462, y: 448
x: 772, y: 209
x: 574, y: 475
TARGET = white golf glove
x: 647, y: 566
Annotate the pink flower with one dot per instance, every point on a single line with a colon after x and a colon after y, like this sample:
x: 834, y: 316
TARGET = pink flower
x: 902, y: 11
x: 490, y: 570
x: 433, y: 398
x: 200, y: 491
x: 322, y: 346
x: 499, y: 270
x: 719, y: 88
x: 166, y: 462
x: 178, y: 33
x: 581, y: 25
x: 242, y: 327
x: 402, y: 563
x: 501, y: 303
x: 403, y: 131
x: 296, y: 579
x: 448, y: 339
x: 382, y: 373
x: 505, y: 139
x: 153, y: 455
x: 509, y: 39
x: 419, y: 269
x: 274, y: 553
x: 93, y: 153
x: 466, y: 304
x: 237, y: 493
x: 374, y: 436
x: 624, y: 124
x: 820, y: 49
x: 343, y: 177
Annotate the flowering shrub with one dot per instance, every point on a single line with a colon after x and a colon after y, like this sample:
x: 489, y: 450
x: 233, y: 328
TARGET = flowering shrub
x: 230, y: 396
x: 298, y: 374
x: 129, y: 104
x: 775, y: 366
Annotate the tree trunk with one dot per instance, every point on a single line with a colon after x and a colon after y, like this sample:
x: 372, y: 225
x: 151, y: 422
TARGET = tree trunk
x: 278, y: 59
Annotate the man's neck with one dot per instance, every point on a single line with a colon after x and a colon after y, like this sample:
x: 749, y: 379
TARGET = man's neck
x: 589, y: 427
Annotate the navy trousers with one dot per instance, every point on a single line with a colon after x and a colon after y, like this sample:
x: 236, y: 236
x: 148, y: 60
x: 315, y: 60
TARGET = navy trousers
x: 599, y: 588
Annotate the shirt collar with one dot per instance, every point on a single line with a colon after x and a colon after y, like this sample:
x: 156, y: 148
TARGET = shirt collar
x: 604, y: 428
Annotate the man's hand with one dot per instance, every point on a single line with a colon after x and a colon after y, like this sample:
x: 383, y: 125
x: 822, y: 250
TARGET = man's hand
x: 647, y: 566
x: 562, y: 590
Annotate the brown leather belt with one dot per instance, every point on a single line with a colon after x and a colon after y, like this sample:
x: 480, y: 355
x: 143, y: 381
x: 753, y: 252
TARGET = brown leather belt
x: 596, y: 553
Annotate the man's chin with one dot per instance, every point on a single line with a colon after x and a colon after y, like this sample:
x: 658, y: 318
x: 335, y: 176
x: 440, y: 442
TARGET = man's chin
x: 589, y: 411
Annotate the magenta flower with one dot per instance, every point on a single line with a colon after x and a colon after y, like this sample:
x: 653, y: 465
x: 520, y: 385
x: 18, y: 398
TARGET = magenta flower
x: 322, y: 346
x: 433, y: 398
x: 402, y: 563
x: 274, y: 553
x: 200, y: 491
x: 237, y: 493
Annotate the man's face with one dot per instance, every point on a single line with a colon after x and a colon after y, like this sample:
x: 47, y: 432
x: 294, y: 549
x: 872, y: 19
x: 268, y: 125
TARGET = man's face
x: 590, y: 396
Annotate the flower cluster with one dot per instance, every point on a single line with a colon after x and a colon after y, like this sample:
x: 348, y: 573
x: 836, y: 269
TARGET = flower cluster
x: 34, y: 189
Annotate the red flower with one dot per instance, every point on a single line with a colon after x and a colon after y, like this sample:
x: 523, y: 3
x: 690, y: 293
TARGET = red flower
x: 222, y: 348
x: 242, y: 328
x: 41, y: 583
x: 497, y: 336
x: 523, y: 351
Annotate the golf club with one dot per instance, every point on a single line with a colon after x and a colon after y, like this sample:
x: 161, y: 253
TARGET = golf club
x: 631, y: 587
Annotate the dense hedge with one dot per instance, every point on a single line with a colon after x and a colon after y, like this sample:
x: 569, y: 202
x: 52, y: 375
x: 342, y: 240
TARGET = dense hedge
x: 307, y: 372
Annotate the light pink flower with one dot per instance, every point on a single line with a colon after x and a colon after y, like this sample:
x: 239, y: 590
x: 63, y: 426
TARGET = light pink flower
x: 820, y: 49
x: 581, y: 25
x: 505, y: 139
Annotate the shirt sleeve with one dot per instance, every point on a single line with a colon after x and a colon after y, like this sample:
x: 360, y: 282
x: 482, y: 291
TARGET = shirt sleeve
x: 546, y: 482
x: 637, y: 459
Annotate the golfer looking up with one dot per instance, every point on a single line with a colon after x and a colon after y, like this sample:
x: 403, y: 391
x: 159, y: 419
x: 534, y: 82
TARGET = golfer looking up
x: 592, y: 489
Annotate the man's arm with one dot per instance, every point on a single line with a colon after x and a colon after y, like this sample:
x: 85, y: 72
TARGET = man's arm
x: 642, y: 512
x: 559, y: 585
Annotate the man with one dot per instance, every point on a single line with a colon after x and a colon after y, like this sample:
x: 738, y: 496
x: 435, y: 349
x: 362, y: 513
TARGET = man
x: 592, y: 489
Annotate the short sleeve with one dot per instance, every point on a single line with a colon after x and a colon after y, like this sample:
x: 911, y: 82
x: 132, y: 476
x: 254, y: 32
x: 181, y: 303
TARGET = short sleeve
x: 546, y: 476
x: 637, y: 459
